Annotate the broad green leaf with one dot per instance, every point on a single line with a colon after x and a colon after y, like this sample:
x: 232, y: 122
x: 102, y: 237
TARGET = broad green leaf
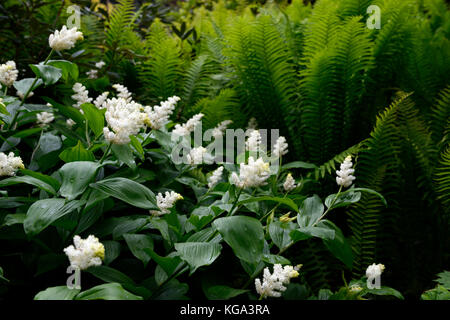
x: 57, y: 293
x: 222, y: 292
x: 47, y: 179
x: 320, y: 231
x: 275, y: 259
x: 68, y: 69
x: 12, y: 219
x: 76, y: 177
x: 67, y: 111
x: 28, y: 180
x: 137, y: 145
x: 124, y: 153
x: 43, y: 212
x: 198, y: 254
x: 245, y: 235
x: 49, y: 74
x: 27, y: 132
x: 344, y: 199
x: 108, y: 291
x: 339, y: 246
x: 279, y: 233
x: 168, y: 264
x: 109, y: 274
x: 285, y: 201
x: 384, y: 291
x: 25, y: 84
x: 137, y: 243
x: 112, y: 251
x: 128, y: 191
x: 369, y: 191
x: 311, y: 210
x: 95, y: 118
x: 77, y: 153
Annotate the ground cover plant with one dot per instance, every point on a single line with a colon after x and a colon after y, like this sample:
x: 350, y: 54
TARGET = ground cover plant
x: 225, y: 150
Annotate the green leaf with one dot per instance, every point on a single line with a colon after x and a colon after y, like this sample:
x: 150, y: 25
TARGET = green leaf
x: 245, y: 235
x: 344, y: 199
x: 137, y: 145
x: 320, y: 231
x: 198, y: 254
x: 137, y: 243
x: 111, y: 275
x: 43, y: 212
x: 222, y: 292
x: 369, y: 191
x: 384, y: 291
x: 298, y: 164
x: 49, y: 74
x: 285, y: 201
x: 12, y: 219
x: 275, y: 259
x: 76, y: 177
x: 279, y: 233
x: 24, y: 84
x: 28, y: 180
x: 67, y: 111
x: 339, y: 246
x: 68, y: 68
x: 128, y: 191
x: 124, y: 153
x: 95, y: 118
x: 311, y: 210
x: 168, y: 264
x: 108, y: 291
x: 57, y: 293
x: 444, y: 279
x: 27, y: 132
x: 76, y: 153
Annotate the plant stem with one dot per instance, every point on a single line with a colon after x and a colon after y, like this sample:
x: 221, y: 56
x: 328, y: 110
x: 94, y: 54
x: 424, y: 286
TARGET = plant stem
x: 37, y: 147
x: 328, y: 209
x: 106, y: 153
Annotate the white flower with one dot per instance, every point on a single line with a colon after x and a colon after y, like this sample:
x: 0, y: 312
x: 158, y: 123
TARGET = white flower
x: 188, y: 127
x: 100, y: 64
x: 122, y: 92
x: 92, y: 74
x: 220, y: 129
x: 64, y: 39
x: 81, y: 95
x: 100, y: 101
x: 374, y: 270
x: 214, y: 179
x: 273, y: 284
x: 44, y: 118
x: 195, y: 156
x: 159, y: 115
x: 253, y: 174
x: 21, y: 95
x: 9, y: 164
x: 8, y: 73
x: 344, y: 176
x: 254, y: 141
x: 86, y: 253
x: 70, y: 123
x: 289, y: 183
x: 165, y: 203
x: 281, y: 147
x: 124, y: 118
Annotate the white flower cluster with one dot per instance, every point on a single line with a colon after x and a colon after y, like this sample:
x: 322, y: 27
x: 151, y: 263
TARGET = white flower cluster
x: 9, y: 164
x: 70, y: 123
x: 281, y: 147
x: 81, y: 95
x: 100, y: 101
x: 220, y: 129
x: 122, y: 92
x: 165, y: 203
x: 273, y: 284
x: 344, y: 176
x: 195, y: 156
x: 86, y: 253
x: 374, y: 270
x: 159, y: 115
x: 124, y: 118
x: 254, y: 141
x: 289, y: 183
x: 64, y: 39
x: 188, y: 127
x: 92, y: 74
x: 214, y: 179
x: 8, y: 73
x: 253, y: 174
x: 44, y: 118
x: 100, y: 64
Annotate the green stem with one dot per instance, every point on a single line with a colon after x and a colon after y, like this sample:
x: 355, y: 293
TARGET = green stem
x: 37, y: 147
x: 329, y: 208
x: 88, y: 140
x: 106, y: 153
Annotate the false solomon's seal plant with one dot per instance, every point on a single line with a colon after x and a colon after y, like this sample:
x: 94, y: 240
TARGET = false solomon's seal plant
x: 91, y: 182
